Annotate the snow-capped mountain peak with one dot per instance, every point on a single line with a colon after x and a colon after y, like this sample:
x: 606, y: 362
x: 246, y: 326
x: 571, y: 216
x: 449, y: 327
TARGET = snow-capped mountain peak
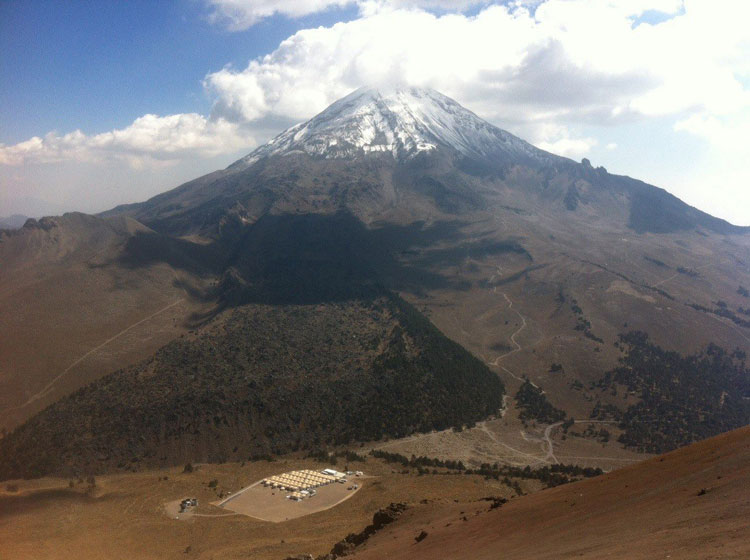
x: 402, y: 121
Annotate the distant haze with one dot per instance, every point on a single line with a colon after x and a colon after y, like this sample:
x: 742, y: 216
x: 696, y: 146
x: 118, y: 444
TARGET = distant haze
x: 13, y: 222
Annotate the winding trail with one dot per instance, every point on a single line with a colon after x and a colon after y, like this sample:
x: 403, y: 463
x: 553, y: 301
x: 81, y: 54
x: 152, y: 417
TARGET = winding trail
x: 546, y: 441
x: 547, y: 437
x: 483, y: 426
x: 514, y: 376
x: 518, y: 347
x: 550, y: 445
x: 47, y: 388
x: 676, y: 274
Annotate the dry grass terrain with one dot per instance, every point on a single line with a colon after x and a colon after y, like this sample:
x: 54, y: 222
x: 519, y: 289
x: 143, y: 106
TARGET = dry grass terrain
x: 505, y: 440
x: 74, y: 313
x: 125, y: 516
x: 693, y: 503
x: 511, y: 316
x: 512, y: 279
x: 71, y: 310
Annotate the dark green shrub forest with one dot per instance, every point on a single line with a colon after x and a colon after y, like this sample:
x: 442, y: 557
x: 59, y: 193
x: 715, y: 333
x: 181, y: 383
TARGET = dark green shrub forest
x: 534, y: 405
x: 263, y: 380
x: 683, y: 398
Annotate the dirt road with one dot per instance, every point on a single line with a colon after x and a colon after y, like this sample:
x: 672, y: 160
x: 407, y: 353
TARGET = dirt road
x: 47, y: 388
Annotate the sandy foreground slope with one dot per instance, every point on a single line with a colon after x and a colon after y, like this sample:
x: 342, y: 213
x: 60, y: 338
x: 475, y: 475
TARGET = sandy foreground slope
x: 128, y: 516
x: 655, y: 509
x: 691, y: 503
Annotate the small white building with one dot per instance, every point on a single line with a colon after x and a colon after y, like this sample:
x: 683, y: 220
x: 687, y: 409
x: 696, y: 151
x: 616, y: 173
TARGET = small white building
x: 334, y: 473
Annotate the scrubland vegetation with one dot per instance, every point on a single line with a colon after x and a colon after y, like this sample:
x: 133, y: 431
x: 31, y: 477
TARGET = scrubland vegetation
x: 683, y: 399
x: 266, y: 380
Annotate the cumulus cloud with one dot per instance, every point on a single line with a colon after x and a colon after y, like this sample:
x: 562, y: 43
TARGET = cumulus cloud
x: 561, y: 140
x: 543, y: 69
x: 150, y: 139
x: 547, y: 70
x: 579, y: 59
x: 239, y: 15
x: 555, y: 61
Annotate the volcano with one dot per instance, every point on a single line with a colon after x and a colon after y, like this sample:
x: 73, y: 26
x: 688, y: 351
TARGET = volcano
x: 412, y: 152
x: 446, y: 259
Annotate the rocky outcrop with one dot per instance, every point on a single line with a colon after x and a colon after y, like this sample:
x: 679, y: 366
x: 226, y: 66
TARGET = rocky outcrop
x: 382, y: 517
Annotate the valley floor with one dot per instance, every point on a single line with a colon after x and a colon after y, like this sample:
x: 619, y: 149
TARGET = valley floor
x: 128, y: 516
x: 693, y: 503
x: 507, y: 441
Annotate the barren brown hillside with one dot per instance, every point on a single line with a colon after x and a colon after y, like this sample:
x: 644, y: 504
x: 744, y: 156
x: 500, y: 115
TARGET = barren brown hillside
x: 536, y: 264
x: 72, y: 308
x: 693, y: 503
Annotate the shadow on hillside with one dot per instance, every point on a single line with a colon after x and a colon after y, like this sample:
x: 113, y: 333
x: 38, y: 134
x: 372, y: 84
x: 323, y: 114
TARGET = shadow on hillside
x: 26, y: 504
x: 147, y: 249
x: 317, y: 258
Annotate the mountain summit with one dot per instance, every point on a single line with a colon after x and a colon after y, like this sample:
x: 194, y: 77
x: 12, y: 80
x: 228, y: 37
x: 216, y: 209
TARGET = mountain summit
x: 302, y: 272
x: 404, y: 122
x: 410, y: 154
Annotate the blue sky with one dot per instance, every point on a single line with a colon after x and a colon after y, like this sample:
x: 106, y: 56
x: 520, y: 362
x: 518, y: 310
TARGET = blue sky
x: 103, y: 103
x: 99, y: 65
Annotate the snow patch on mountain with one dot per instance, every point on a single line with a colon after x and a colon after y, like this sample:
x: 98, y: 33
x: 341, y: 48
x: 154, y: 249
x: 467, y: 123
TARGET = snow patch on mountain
x: 401, y: 121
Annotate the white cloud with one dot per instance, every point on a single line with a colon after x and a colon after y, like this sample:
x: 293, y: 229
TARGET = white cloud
x: 569, y: 147
x: 149, y: 140
x: 720, y: 184
x: 540, y: 69
x: 544, y: 69
x: 729, y: 134
x: 570, y: 60
x: 238, y: 15
x: 369, y: 7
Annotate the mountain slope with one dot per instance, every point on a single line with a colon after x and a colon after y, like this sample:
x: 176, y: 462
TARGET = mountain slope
x: 263, y: 380
x: 692, y: 503
x: 73, y: 308
x: 534, y: 263
x: 402, y: 122
x: 404, y: 153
